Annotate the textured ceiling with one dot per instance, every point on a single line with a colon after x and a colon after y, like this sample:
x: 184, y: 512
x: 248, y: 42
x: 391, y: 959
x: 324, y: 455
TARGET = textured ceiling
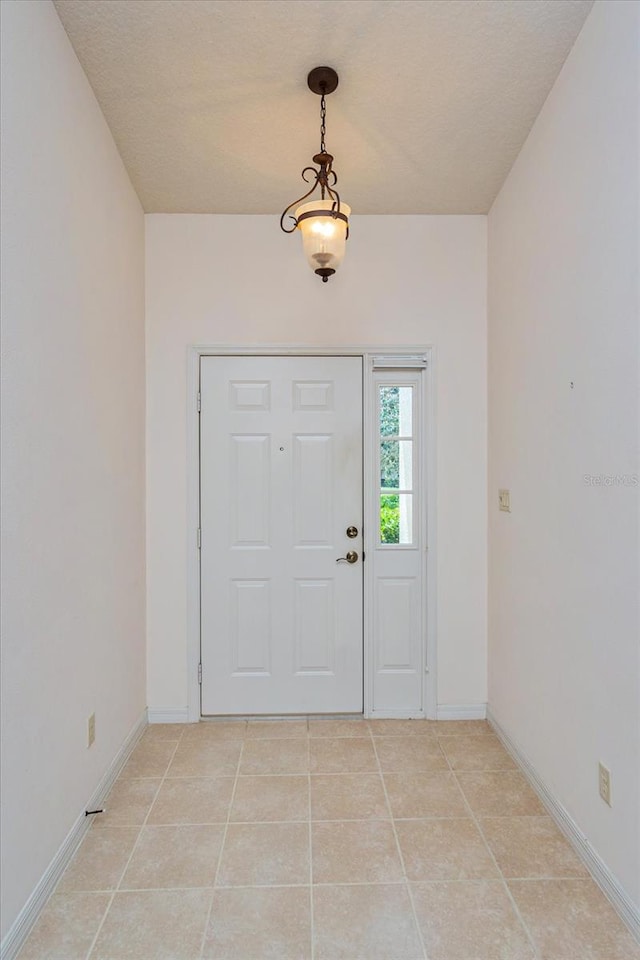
x: 208, y: 103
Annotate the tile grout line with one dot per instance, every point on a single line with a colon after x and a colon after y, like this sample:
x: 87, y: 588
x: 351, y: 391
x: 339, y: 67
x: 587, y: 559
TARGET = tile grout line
x: 311, y: 905
x: 222, y: 846
x: 377, y: 819
x: 330, y: 883
x: 505, y: 885
x: 142, y: 825
x: 266, y: 886
x: 325, y: 773
x: 407, y: 885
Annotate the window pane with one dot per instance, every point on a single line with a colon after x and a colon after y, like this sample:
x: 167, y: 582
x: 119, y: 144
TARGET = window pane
x: 405, y: 409
x: 396, y: 464
x: 389, y: 411
x: 406, y: 518
x: 395, y: 411
x: 390, y: 519
x: 396, y: 518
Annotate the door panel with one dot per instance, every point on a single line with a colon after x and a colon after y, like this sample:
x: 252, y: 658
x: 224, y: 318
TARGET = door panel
x: 281, y: 480
x: 313, y: 491
x: 398, y: 547
x: 251, y: 480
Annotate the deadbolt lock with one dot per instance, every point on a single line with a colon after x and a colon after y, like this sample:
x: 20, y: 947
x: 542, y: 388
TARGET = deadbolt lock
x: 352, y: 532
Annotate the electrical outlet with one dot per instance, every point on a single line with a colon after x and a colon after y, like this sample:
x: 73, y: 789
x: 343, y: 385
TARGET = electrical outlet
x: 91, y: 729
x: 504, y: 500
x: 604, y: 782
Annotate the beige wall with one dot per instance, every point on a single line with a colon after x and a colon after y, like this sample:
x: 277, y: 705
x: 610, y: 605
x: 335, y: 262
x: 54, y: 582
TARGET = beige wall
x: 72, y: 446
x: 563, y: 407
x: 239, y: 280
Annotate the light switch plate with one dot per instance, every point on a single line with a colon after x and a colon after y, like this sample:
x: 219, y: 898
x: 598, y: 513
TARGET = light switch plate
x: 504, y: 500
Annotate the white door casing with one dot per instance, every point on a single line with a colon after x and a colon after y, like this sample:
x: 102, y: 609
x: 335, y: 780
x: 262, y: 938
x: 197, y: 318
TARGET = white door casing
x: 280, y: 483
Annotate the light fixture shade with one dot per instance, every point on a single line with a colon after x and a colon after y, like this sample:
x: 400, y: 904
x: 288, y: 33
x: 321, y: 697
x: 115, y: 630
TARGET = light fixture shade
x: 324, y: 236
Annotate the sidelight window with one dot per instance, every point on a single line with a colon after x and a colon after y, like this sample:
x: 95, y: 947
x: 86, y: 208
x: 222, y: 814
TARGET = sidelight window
x: 396, y: 464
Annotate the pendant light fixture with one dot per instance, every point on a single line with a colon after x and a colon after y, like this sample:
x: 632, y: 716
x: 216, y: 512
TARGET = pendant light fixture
x: 323, y: 222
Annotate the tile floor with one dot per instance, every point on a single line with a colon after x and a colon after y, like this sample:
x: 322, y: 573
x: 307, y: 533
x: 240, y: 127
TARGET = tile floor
x: 325, y: 840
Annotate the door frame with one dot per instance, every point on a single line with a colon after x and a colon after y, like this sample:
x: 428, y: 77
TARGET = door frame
x: 370, y: 497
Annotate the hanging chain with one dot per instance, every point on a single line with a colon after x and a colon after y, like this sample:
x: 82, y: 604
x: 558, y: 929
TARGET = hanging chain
x: 323, y: 124
x: 324, y: 177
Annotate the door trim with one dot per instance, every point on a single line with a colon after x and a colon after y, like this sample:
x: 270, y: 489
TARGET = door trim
x: 367, y: 352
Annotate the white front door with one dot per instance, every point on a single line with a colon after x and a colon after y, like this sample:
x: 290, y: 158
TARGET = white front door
x: 281, y: 482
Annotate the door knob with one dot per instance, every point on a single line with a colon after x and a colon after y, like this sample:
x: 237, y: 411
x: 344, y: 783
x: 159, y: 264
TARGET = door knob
x: 351, y: 557
x: 352, y: 532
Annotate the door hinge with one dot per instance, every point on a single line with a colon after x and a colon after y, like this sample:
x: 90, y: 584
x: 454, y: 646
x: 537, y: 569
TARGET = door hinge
x: 199, y: 673
x: 199, y: 537
x: 199, y: 400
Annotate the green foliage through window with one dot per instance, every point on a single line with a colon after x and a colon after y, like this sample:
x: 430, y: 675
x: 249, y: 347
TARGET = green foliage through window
x: 389, y: 411
x: 389, y: 426
x: 390, y: 519
x: 396, y: 469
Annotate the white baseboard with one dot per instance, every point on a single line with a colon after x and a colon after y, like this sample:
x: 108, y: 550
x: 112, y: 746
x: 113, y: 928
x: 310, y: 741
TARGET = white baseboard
x: 461, y: 711
x: 594, y: 863
x: 169, y: 716
x: 24, y: 922
x: 391, y: 715
x: 445, y: 711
